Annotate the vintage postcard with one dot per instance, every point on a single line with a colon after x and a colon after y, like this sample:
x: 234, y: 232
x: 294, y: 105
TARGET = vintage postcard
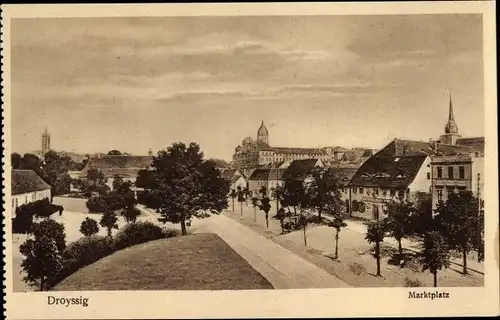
x: 250, y: 160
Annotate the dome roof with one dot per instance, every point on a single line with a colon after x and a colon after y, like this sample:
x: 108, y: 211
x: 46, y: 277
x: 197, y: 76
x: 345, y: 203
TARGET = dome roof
x: 262, y: 130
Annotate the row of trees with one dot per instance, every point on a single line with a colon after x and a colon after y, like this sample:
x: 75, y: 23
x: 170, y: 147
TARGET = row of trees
x: 457, y: 225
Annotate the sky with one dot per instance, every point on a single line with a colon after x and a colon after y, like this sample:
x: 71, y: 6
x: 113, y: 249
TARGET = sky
x: 136, y: 83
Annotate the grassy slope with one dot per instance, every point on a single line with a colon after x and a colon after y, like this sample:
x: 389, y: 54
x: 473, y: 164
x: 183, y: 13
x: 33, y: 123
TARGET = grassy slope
x: 193, y: 262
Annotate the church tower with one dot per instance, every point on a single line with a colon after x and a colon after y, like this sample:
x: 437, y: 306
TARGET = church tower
x: 263, y: 134
x: 450, y: 135
x: 45, y: 142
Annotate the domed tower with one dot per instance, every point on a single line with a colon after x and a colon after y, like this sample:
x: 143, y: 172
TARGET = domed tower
x: 263, y: 134
x: 450, y: 135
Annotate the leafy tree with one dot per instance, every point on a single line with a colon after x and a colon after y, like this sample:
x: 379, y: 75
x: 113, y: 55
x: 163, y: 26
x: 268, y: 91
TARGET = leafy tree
x: 23, y: 222
x: 89, y: 227
x: 109, y: 221
x: 96, y: 204
x: 16, y: 161
x: 32, y: 162
x: 458, y: 220
x: 145, y: 179
x: 293, y: 195
x: 117, y: 182
x: 435, y: 254
x: 421, y: 220
x: 130, y: 212
x: 233, y: 195
x: 323, y: 191
x: 303, y: 221
x: 255, y: 204
x: 265, y: 206
x: 263, y: 191
x: 114, y: 153
x: 186, y: 185
x: 43, y: 253
x: 337, y: 223
x: 241, y: 198
x: 375, y: 234
x: 281, y: 215
x: 397, y: 222
x: 56, y: 169
x: 219, y: 163
x: 93, y: 181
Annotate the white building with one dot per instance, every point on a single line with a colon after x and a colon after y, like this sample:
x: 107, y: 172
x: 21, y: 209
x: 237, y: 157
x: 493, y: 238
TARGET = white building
x: 27, y: 187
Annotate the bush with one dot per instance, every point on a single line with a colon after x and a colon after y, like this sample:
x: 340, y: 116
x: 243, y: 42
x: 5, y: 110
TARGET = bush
x: 83, y: 252
x: 136, y: 233
x: 357, y: 268
x: 412, y: 283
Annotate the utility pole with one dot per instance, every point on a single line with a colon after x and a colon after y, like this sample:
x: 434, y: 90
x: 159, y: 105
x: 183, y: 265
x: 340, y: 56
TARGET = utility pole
x: 478, y: 218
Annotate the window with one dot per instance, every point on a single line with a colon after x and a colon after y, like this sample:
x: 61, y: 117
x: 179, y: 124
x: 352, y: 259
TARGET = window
x: 375, y: 191
x: 393, y: 192
x: 461, y: 172
x: 354, y: 190
x: 361, y: 190
x: 439, y: 172
x: 33, y: 196
x: 384, y: 192
x: 450, y: 172
x: 440, y: 195
x: 13, y: 203
x: 428, y: 176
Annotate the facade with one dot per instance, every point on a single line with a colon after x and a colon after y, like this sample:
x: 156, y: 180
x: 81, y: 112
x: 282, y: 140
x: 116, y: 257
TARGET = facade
x: 254, y: 153
x: 125, y: 166
x: 381, y: 179
x: 455, y: 174
x: 27, y: 187
x: 45, y: 142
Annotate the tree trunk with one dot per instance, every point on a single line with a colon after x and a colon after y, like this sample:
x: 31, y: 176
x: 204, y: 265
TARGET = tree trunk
x: 400, y: 249
x: 305, y: 237
x: 254, y: 215
x: 377, y: 255
x: 319, y: 213
x: 337, y: 245
x: 464, y: 256
x: 435, y: 278
x: 241, y: 208
x: 233, y: 204
x: 109, y: 232
x: 267, y: 220
x: 183, y: 227
x: 42, y: 283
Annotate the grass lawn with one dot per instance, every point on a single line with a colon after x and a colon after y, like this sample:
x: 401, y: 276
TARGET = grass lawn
x: 192, y: 262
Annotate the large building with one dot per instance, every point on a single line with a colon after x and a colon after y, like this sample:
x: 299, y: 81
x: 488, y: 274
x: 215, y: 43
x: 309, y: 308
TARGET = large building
x: 254, y: 153
x: 27, y: 187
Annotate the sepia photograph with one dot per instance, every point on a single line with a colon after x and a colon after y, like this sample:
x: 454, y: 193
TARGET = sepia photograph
x: 247, y: 153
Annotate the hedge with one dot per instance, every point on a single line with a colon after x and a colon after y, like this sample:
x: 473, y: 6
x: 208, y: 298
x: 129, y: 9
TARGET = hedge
x: 88, y: 250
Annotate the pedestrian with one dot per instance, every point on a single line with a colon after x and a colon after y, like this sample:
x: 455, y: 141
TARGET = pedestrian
x: 61, y: 210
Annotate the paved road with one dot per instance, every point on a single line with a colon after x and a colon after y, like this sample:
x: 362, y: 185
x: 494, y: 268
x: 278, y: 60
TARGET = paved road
x: 282, y: 268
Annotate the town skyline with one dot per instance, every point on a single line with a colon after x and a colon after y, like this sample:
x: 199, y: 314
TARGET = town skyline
x: 148, y: 82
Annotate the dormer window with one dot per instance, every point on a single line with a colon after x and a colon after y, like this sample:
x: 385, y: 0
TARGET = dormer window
x: 396, y: 159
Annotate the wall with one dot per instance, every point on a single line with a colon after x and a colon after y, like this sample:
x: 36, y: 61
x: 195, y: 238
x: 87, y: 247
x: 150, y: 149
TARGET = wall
x: 255, y: 185
x: 422, y: 181
x: 20, y: 199
x: 368, y: 198
x: 241, y: 182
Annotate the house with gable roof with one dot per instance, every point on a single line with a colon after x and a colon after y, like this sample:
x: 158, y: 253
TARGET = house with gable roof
x: 27, y: 187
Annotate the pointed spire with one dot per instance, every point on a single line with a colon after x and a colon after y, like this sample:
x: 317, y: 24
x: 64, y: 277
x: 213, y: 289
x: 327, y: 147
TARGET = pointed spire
x: 450, y: 116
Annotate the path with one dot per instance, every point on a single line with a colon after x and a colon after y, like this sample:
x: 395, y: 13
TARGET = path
x: 282, y: 268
